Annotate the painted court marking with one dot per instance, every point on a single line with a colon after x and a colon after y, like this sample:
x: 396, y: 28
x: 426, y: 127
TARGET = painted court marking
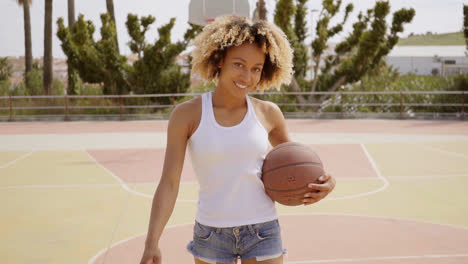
x: 123, y: 184
x: 130, y: 190
x: 59, y: 186
x: 379, y: 175
x: 443, y: 151
x: 371, y: 161
x: 16, y: 160
x: 108, y: 140
x: 102, y: 251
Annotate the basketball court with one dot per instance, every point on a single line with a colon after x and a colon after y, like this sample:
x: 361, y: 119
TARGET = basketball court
x: 81, y: 192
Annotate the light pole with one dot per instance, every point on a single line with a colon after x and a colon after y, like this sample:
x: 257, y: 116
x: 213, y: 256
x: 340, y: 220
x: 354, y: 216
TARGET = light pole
x: 312, y: 11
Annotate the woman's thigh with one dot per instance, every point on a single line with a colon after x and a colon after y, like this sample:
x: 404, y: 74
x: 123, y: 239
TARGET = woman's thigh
x: 278, y: 260
x: 198, y: 261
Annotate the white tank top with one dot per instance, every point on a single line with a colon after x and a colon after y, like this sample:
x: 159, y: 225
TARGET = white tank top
x: 228, y: 163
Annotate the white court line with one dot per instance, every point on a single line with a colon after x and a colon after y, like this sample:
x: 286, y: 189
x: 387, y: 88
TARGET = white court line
x: 379, y: 175
x: 443, y: 151
x: 16, y: 160
x: 102, y: 251
x: 380, y: 258
x: 117, y: 224
x: 38, y: 186
x: 419, y: 177
x: 123, y: 184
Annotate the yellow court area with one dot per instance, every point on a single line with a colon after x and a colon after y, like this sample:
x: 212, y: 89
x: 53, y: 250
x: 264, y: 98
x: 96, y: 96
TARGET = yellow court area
x: 64, y: 205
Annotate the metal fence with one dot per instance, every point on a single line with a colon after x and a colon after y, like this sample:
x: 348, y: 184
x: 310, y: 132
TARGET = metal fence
x: 345, y: 105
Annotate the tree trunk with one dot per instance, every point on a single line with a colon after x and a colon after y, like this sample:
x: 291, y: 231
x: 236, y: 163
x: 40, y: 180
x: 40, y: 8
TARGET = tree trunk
x: 27, y: 41
x: 295, y: 87
x: 110, y: 10
x: 48, y: 74
x: 334, y: 88
x: 71, y: 13
x: 260, y: 11
x: 72, y: 75
x: 316, y: 69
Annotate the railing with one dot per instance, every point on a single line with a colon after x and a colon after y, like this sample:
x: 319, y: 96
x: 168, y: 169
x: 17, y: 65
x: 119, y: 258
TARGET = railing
x: 400, y: 105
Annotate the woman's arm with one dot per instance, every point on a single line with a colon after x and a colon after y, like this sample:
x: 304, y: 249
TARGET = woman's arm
x: 166, y: 194
x: 279, y: 134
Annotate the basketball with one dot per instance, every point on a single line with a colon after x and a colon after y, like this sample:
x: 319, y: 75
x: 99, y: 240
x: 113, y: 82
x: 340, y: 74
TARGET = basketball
x: 287, y: 170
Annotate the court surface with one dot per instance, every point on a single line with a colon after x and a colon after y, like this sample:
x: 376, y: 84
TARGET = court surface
x: 81, y: 192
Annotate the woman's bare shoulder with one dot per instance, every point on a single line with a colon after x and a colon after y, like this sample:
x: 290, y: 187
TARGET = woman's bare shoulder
x: 267, y: 112
x: 188, y: 114
x: 266, y: 107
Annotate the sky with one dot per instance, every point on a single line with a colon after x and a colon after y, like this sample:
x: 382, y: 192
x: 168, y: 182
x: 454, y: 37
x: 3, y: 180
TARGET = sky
x: 437, y: 16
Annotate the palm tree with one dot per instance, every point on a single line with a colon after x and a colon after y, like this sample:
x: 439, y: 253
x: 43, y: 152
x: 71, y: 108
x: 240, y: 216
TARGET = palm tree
x: 27, y: 38
x: 110, y: 10
x: 72, y: 74
x: 48, y: 74
x: 260, y: 11
x: 71, y: 13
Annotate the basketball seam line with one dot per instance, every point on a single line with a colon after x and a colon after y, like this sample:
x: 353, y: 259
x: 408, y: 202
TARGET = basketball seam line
x: 288, y: 144
x: 289, y: 190
x: 292, y: 164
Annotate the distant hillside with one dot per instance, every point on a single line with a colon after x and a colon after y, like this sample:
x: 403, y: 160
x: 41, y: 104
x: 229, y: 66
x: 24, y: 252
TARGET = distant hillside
x: 445, y: 39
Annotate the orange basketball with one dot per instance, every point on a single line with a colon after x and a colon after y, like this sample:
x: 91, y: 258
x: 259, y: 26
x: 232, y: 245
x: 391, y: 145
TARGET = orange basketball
x: 288, y: 169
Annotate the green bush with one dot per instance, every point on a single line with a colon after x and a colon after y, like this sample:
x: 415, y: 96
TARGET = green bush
x: 5, y: 69
x: 386, y: 79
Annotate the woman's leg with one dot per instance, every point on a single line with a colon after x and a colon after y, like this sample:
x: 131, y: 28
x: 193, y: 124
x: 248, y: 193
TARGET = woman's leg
x: 278, y: 260
x: 198, y: 261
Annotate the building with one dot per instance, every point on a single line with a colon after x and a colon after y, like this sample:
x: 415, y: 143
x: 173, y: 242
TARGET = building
x: 429, y: 60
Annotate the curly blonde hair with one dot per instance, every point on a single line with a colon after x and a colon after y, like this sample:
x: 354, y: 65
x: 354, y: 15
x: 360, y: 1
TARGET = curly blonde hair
x: 231, y: 30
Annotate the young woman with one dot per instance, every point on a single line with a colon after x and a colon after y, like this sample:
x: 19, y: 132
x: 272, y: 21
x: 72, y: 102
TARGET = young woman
x: 228, y: 135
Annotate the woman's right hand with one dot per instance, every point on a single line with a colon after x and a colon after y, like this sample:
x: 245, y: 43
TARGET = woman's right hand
x: 151, y: 256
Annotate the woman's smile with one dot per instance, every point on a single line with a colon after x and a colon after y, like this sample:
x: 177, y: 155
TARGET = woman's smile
x: 240, y: 86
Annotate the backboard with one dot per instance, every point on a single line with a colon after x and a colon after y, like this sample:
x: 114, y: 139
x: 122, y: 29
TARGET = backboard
x: 202, y: 12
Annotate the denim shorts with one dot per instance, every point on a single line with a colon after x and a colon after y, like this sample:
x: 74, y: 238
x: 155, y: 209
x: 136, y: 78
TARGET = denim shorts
x: 225, y: 245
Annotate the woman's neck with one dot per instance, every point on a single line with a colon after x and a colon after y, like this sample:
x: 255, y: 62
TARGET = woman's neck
x: 223, y: 98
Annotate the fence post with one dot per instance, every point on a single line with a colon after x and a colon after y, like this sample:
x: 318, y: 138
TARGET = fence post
x: 401, y: 105
x: 282, y: 100
x: 11, y: 109
x: 66, y: 108
x: 342, y: 107
x: 120, y: 103
x: 463, y: 105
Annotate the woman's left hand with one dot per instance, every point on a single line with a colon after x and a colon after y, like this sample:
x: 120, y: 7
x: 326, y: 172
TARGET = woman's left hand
x: 319, y: 190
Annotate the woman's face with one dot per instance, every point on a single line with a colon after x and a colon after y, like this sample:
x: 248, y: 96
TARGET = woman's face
x: 241, y: 69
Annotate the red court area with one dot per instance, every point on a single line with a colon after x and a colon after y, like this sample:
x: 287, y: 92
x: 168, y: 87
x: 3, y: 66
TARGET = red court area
x: 349, y: 239
x: 145, y: 165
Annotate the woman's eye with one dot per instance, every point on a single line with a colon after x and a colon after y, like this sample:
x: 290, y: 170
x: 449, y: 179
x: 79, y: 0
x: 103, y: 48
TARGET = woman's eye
x: 257, y: 70
x: 239, y: 65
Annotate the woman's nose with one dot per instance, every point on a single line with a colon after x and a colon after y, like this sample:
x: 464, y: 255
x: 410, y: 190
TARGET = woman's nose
x: 245, y: 74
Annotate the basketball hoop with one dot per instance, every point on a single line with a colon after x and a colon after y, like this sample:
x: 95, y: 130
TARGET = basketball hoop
x: 203, y: 12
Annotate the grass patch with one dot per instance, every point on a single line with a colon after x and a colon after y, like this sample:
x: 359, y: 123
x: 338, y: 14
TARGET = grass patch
x: 445, y: 39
